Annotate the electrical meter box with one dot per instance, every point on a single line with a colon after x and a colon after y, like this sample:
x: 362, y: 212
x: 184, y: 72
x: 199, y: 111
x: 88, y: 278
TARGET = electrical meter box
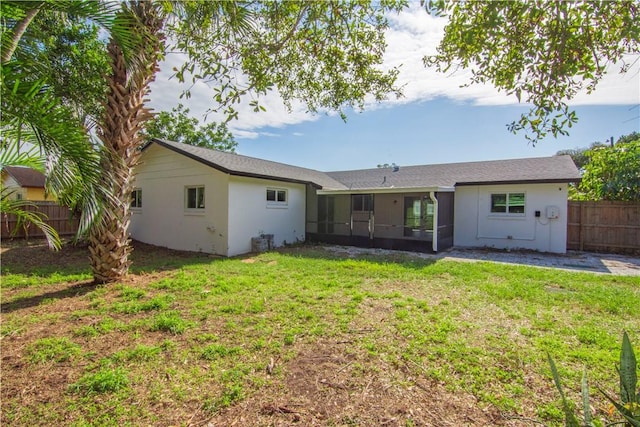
x: 553, y: 212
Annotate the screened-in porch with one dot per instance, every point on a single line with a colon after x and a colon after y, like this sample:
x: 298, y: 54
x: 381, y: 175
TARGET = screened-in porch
x: 417, y: 221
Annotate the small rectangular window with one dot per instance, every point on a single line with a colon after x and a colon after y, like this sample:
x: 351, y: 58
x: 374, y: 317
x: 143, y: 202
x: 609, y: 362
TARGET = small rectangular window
x: 362, y: 202
x: 510, y: 203
x: 136, y: 198
x: 276, y: 197
x: 194, y: 197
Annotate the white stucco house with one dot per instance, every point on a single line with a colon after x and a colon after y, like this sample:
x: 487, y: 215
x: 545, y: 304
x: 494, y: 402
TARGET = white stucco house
x: 192, y: 198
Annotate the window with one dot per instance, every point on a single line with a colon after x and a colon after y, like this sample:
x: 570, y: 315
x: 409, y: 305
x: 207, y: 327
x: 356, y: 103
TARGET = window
x: 362, y: 202
x: 510, y: 203
x: 419, y: 214
x: 136, y: 198
x: 276, y: 196
x: 194, y: 197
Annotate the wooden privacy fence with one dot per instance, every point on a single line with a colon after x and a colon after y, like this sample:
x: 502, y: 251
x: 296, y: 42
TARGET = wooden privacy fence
x: 604, y: 226
x: 59, y: 217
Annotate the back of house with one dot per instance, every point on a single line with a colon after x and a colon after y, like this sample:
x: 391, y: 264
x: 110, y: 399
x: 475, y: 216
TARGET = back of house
x: 192, y: 198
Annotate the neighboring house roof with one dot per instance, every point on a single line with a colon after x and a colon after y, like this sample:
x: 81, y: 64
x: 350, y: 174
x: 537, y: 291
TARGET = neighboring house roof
x: 25, y: 177
x: 443, y: 176
x: 236, y: 164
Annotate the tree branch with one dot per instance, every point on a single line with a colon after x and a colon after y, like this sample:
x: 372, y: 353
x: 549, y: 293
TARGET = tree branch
x: 18, y: 31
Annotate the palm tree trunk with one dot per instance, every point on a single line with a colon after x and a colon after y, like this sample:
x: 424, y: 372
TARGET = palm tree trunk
x: 125, y: 114
x: 18, y: 31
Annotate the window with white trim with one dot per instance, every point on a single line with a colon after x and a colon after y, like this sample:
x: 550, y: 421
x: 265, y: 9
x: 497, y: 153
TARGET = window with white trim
x: 136, y: 198
x: 194, y: 197
x: 277, y: 197
x: 508, y: 203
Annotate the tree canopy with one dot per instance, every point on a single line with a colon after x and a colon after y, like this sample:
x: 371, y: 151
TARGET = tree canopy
x: 328, y: 55
x: 542, y: 52
x: 612, y: 172
x: 178, y: 126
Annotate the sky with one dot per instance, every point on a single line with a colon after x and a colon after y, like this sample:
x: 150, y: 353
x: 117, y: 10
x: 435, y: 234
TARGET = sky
x: 436, y: 121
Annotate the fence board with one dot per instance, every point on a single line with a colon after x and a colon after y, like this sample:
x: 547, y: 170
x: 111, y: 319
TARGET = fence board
x: 59, y: 217
x: 604, y: 226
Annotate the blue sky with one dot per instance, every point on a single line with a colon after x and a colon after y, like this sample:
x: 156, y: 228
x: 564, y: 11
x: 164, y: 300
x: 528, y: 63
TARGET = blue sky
x: 436, y: 121
x: 435, y: 131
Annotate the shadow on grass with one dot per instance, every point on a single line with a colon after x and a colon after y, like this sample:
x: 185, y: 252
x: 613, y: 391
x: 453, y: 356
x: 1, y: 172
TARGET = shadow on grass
x: 73, y: 291
x: 33, y: 258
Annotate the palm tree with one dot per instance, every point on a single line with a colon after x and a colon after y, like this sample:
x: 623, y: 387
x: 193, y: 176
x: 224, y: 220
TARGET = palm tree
x: 324, y: 53
x: 119, y: 130
x: 11, y: 156
x: 38, y: 112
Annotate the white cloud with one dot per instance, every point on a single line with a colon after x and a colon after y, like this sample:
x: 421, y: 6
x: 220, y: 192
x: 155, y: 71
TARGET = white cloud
x: 415, y: 34
x: 412, y: 34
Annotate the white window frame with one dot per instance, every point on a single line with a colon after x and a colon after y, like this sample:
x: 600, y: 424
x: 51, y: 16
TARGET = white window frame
x: 277, y: 192
x: 136, y: 199
x: 199, y: 191
x: 506, y: 212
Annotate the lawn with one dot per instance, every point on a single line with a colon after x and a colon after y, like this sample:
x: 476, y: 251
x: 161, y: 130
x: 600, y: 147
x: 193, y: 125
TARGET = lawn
x: 302, y: 336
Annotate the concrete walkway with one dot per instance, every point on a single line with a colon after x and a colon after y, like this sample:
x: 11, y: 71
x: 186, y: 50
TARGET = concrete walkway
x: 572, y: 260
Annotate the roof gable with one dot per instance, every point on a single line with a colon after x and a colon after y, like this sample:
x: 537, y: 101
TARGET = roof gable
x: 26, y: 177
x: 236, y: 164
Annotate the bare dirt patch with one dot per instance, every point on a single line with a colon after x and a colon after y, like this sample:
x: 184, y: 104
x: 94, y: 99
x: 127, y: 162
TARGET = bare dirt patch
x: 336, y: 382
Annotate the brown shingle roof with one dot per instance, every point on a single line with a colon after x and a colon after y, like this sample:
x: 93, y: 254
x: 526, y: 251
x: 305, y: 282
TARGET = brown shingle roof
x: 541, y: 169
x: 236, y: 164
x: 26, y: 177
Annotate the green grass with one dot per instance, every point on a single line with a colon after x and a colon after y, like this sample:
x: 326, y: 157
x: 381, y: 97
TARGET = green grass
x: 201, y: 335
x: 52, y: 349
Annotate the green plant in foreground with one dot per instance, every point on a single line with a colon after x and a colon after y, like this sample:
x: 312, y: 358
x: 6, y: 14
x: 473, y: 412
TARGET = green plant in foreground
x: 629, y: 404
x: 103, y: 381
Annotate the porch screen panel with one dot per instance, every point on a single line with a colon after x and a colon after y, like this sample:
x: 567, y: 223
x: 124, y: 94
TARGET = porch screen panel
x: 418, y: 216
x: 326, y: 214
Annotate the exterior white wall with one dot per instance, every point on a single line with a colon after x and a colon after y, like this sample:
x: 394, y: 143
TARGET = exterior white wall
x: 476, y: 226
x: 163, y: 219
x: 250, y: 215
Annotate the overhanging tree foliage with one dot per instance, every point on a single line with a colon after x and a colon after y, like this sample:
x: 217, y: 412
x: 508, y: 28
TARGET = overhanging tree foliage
x: 51, y: 81
x: 542, y: 52
x: 178, y: 126
x: 325, y: 54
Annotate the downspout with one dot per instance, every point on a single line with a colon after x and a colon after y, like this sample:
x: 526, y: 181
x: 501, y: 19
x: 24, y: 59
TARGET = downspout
x: 434, y: 243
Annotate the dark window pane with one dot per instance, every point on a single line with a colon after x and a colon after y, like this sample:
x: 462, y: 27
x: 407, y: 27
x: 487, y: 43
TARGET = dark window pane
x: 271, y: 195
x: 191, y: 198
x: 499, y: 203
x: 282, y: 196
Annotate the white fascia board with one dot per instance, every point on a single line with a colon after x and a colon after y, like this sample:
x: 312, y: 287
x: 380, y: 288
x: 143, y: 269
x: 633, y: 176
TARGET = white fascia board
x: 388, y: 190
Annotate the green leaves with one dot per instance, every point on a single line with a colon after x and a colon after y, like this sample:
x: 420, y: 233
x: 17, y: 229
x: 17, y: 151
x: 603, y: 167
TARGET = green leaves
x: 178, y: 126
x: 570, y: 420
x: 326, y: 54
x: 612, y: 173
x: 542, y: 52
x: 628, y: 406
